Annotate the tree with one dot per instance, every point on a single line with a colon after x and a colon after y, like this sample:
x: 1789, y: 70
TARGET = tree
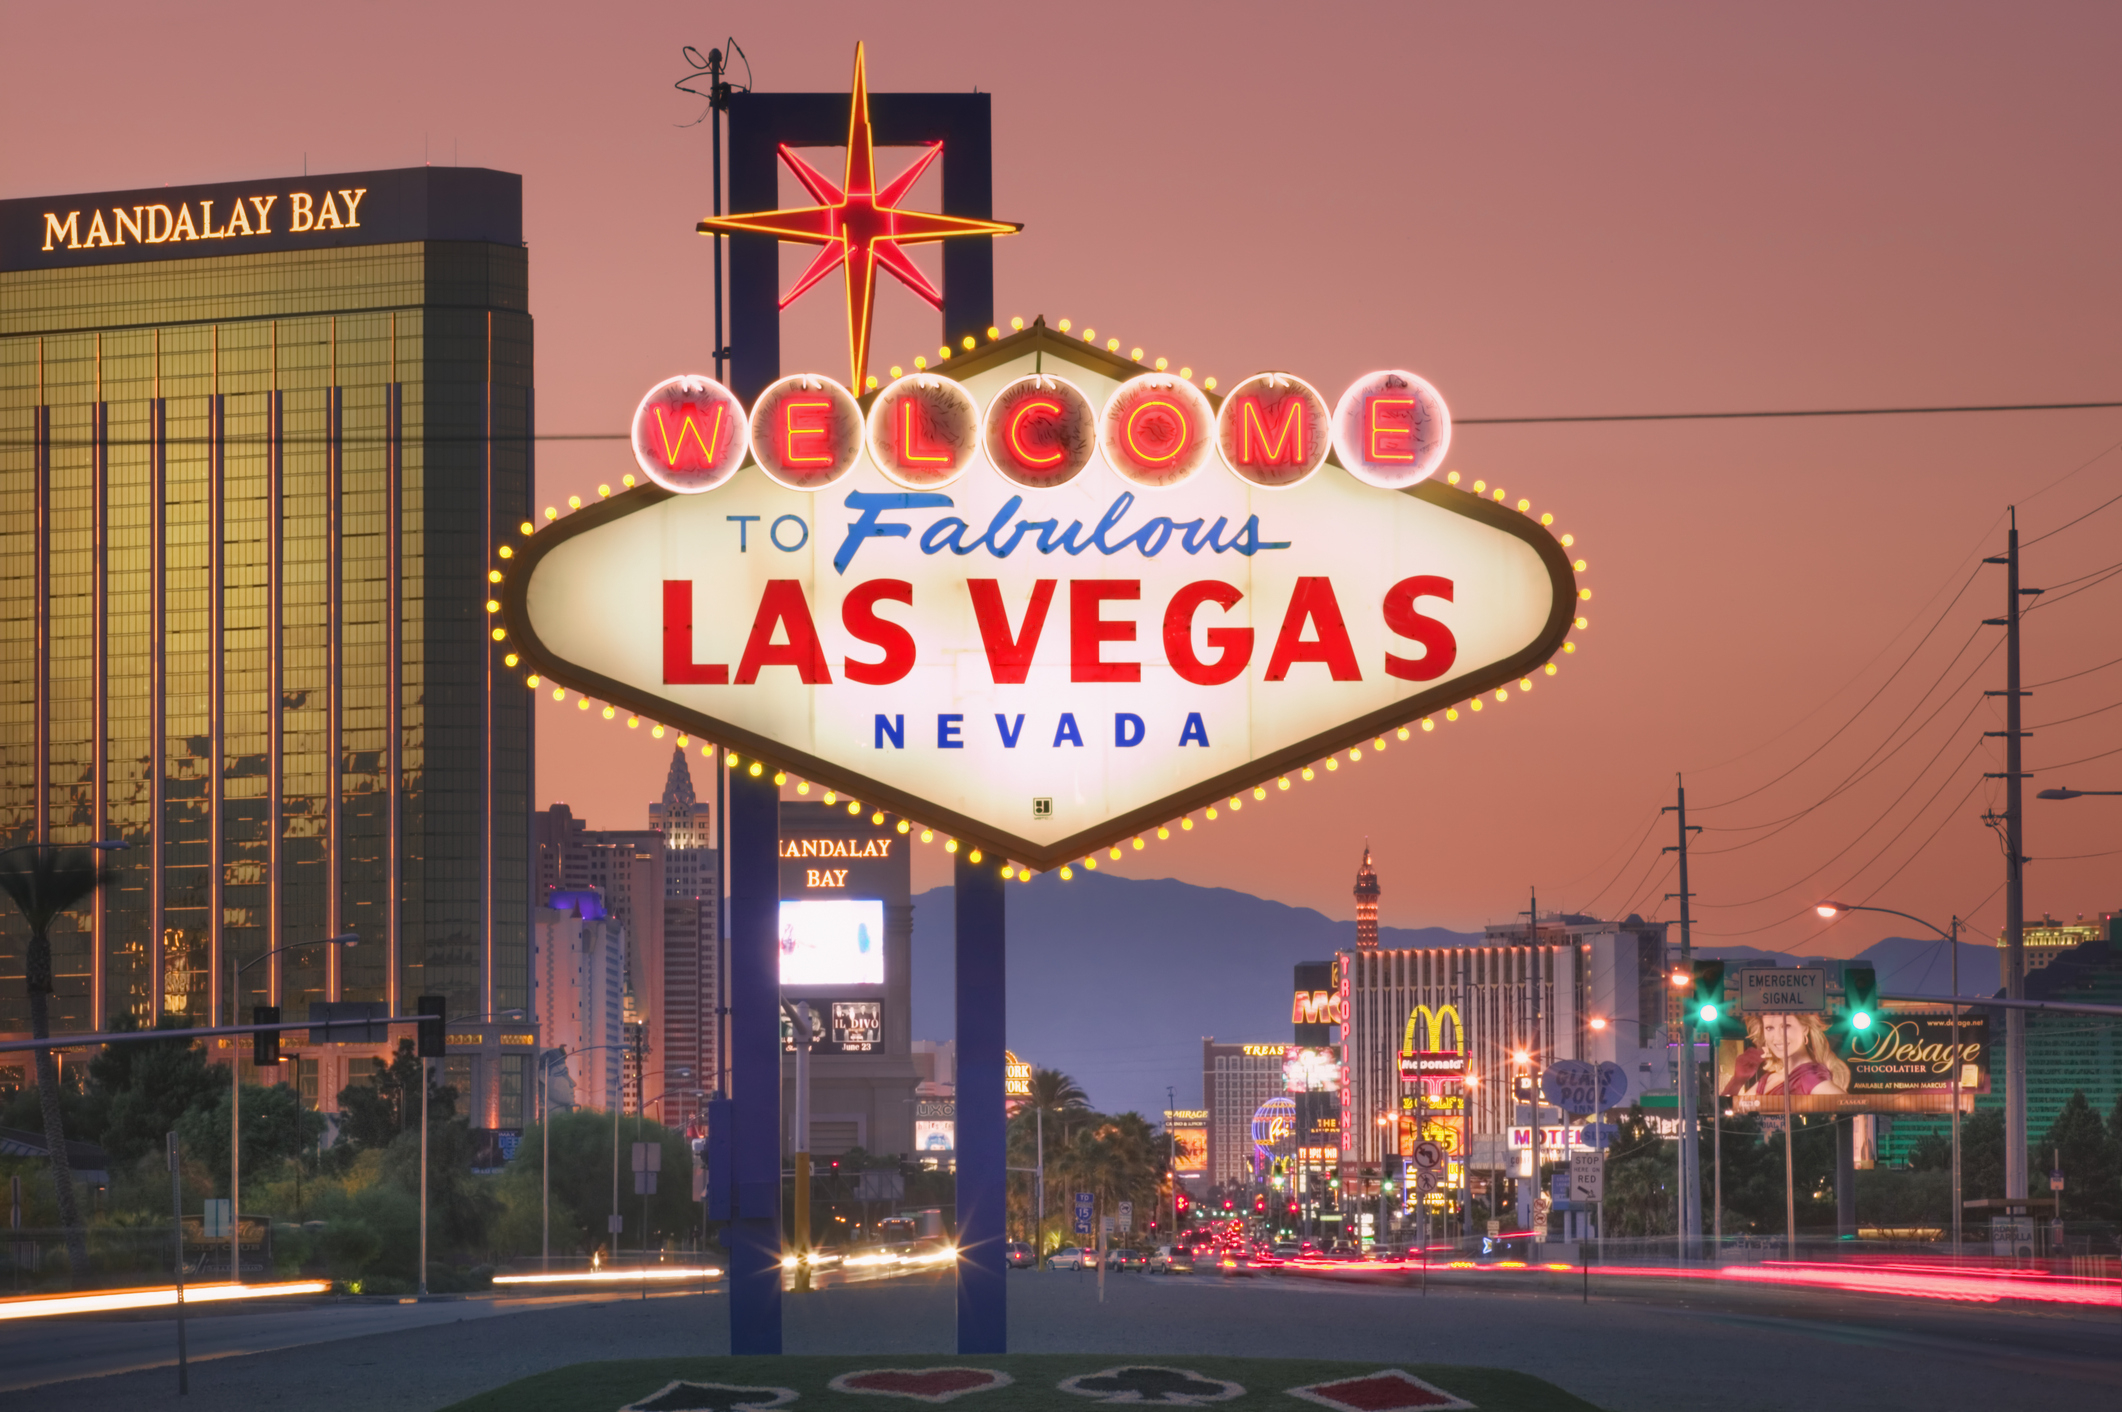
x: 145, y: 1086
x: 371, y: 1115
x: 2080, y: 1146
x: 44, y: 883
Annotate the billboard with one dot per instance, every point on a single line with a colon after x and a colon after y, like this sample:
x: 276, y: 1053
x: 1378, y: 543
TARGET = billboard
x: 1310, y: 1070
x: 1189, y: 1150
x: 1903, y: 1064
x: 1047, y: 666
x: 832, y: 942
x: 935, y: 1134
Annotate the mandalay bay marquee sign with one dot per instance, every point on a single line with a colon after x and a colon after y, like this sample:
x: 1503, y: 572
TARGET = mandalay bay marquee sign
x: 1041, y: 596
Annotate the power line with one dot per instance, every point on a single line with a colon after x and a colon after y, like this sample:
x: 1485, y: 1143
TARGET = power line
x: 1809, y: 412
x: 2075, y: 675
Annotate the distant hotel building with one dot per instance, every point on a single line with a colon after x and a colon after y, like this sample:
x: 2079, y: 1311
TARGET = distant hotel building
x: 2047, y: 939
x: 659, y: 890
x: 258, y: 443
x: 1235, y: 1080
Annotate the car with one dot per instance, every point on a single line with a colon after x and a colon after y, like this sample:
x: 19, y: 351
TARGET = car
x: 1072, y: 1257
x: 1235, y: 1261
x: 1287, y: 1250
x: 1171, y: 1260
x: 1126, y: 1259
x: 1018, y: 1256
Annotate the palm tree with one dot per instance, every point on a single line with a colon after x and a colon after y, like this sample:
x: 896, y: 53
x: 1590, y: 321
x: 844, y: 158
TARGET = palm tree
x: 1055, y: 1101
x: 45, y: 882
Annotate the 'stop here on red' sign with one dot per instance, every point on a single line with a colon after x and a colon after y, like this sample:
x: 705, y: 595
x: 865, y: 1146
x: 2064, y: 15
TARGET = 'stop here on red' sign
x: 1037, y: 598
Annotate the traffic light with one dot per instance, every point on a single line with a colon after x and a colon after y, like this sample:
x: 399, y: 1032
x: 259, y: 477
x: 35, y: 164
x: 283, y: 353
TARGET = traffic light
x: 1860, y: 996
x: 1260, y: 1206
x: 265, y: 1044
x: 1705, y: 1006
x: 434, y: 1026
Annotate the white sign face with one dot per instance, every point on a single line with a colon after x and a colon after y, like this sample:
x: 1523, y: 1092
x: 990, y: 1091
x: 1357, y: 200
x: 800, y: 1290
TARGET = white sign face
x: 1800, y: 990
x: 1044, y: 671
x: 1587, y: 1176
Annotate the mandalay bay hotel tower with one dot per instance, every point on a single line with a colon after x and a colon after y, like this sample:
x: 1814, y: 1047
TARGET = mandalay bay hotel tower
x: 259, y: 441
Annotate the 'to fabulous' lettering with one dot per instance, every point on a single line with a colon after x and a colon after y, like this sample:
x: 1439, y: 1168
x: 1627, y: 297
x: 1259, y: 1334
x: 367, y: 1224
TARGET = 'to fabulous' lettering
x: 160, y: 223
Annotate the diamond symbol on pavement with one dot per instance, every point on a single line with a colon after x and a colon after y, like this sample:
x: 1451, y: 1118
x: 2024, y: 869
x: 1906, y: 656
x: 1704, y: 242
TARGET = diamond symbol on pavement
x: 1390, y: 1391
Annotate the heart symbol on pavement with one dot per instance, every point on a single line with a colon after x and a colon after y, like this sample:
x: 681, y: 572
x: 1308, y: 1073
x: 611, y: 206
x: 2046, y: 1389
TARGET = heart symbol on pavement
x: 921, y: 1384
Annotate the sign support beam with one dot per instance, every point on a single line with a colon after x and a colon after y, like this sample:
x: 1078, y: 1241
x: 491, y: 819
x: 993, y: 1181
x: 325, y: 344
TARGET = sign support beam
x: 983, y: 1125
x: 754, y: 1230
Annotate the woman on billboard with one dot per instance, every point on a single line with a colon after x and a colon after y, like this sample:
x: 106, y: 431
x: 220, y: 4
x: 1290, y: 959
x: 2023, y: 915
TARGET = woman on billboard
x: 1785, y: 1049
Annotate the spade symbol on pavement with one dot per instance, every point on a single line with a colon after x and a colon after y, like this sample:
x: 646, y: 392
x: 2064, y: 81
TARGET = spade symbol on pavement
x: 711, y: 1397
x: 1146, y: 1383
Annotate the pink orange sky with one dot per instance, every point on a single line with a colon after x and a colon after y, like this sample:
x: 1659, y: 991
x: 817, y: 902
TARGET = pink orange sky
x: 1543, y: 209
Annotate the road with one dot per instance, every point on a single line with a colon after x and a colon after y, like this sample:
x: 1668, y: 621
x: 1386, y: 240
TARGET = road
x: 1640, y: 1350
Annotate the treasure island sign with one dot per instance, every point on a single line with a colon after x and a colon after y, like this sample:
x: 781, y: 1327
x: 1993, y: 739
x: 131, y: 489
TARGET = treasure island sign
x: 1041, y: 597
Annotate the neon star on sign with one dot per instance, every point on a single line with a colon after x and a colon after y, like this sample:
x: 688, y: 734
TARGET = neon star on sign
x: 860, y: 225
x: 1046, y: 646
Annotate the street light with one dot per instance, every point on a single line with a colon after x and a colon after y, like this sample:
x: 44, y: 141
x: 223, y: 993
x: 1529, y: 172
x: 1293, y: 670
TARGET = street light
x: 1831, y: 909
x: 2073, y: 793
x: 235, y: 1090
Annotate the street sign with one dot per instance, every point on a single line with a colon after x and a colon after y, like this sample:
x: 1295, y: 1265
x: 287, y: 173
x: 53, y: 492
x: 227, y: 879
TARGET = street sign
x: 1495, y: 1228
x: 1801, y: 989
x: 1428, y: 1156
x: 1571, y: 1085
x: 1587, y: 1176
x: 615, y: 1223
x: 648, y: 1157
x: 216, y: 1220
x: 1613, y: 1084
x: 644, y: 1183
x: 1084, y: 1201
x: 2055, y: 1181
x: 1126, y: 1219
x: 699, y: 1181
x: 1596, y: 1135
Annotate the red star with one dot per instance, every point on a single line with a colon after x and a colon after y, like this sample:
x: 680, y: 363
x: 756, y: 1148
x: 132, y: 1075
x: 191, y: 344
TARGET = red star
x: 860, y: 227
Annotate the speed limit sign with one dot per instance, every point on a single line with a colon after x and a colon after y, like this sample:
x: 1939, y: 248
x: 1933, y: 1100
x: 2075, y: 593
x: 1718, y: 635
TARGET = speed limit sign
x: 1428, y: 1156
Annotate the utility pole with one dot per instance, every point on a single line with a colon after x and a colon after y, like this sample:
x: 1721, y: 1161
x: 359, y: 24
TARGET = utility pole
x: 1690, y: 1139
x: 2014, y: 876
x: 1533, y: 1051
x: 800, y: 1016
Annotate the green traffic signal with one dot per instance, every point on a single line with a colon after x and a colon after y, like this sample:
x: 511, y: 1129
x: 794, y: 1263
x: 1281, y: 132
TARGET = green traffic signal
x: 1860, y: 995
x: 1708, y: 1000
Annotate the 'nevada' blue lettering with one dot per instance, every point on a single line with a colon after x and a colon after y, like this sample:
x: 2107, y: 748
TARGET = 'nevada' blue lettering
x: 892, y: 728
x: 1009, y: 734
x: 1195, y: 730
x: 1127, y: 729
x: 947, y: 727
x: 1067, y: 730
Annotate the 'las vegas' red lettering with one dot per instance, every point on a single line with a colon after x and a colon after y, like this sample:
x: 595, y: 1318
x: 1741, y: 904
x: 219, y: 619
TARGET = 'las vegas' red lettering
x: 1087, y: 631
x: 858, y: 613
x: 1314, y: 602
x: 1009, y: 656
x: 1439, y: 648
x: 679, y: 668
x: 783, y: 606
x: 1234, y: 645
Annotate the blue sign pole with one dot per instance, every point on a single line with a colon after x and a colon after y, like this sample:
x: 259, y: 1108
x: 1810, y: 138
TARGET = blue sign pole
x: 983, y: 1126
x: 754, y: 1232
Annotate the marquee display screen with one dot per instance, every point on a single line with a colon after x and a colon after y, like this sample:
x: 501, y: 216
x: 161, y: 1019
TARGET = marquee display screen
x: 832, y: 943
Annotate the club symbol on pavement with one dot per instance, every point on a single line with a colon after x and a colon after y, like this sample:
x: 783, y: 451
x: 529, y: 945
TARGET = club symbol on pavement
x: 711, y: 1397
x: 1147, y: 1383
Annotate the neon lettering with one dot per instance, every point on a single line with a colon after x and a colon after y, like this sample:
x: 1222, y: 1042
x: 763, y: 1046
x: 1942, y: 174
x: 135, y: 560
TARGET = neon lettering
x: 791, y: 454
x: 263, y: 205
x: 1387, y: 442
x: 132, y: 223
x: 184, y: 229
x: 97, y: 235
x: 328, y: 214
x: 238, y: 223
x: 353, y: 204
x: 161, y: 224
x: 299, y: 203
x: 1025, y: 455
x: 1136, y: 446
x: 206, y: 222
x: 914, y: 448
x: 1285, y: 448
x: 710, y: 444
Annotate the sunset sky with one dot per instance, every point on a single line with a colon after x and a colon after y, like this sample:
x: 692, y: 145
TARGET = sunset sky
x: 1545, y: 210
